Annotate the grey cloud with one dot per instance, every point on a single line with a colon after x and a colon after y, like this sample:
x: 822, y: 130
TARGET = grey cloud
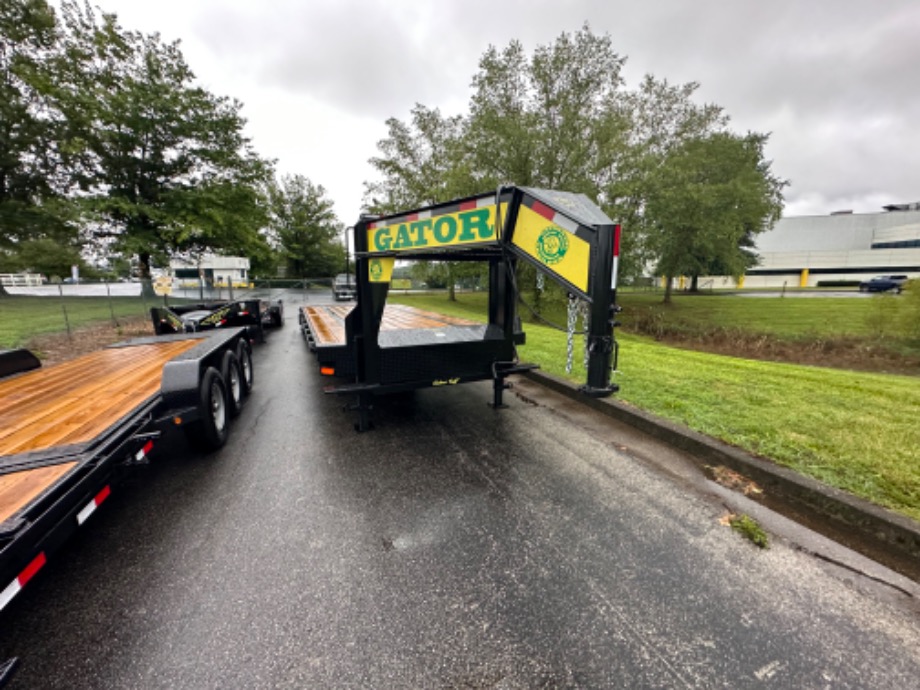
x: 832, y: 81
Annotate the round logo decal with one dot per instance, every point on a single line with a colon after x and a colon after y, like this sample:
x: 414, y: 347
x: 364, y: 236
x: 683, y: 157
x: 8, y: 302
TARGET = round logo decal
x: 376, y: 270
x: 552, y: 244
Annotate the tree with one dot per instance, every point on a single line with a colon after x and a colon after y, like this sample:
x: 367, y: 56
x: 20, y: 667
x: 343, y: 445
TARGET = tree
x: 33, y: 214
x: 562, y: 118
x: 306, y: 228
x: 162, y: 164
x: 712, y: 194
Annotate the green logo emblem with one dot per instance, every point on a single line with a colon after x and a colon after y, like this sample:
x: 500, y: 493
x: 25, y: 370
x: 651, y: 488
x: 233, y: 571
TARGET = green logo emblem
x: 376, y: 269
x: 552, y: 244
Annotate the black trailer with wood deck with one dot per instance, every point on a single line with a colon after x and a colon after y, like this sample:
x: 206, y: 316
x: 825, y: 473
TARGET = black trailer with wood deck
x: 69, y: 432
x: 254, y: 314
x: 381, y: 350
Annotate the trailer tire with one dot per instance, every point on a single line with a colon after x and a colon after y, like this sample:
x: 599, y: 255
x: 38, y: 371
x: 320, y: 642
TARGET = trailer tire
x: 232, y: 373
x: 210, y: 431
x: 244, y: 356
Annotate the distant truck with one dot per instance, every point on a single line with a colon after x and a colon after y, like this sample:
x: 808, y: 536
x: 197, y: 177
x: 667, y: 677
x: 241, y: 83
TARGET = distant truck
x: 70, y: 432
x: 344, y: 287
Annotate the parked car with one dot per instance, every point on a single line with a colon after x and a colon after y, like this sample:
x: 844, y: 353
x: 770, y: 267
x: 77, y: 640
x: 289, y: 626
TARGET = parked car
x: 343, y: 287
x: 883, y: 284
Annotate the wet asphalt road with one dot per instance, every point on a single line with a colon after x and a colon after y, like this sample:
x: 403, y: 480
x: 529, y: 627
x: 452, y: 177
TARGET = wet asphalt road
x: 454, y: 546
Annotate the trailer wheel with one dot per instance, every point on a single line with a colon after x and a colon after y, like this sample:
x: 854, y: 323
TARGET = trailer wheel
x: 232, y: 374
x: 244, y: 355
x: 210, y: 431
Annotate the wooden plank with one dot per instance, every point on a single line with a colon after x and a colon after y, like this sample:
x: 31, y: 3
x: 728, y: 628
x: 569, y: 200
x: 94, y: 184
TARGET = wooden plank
x: 327, y: 322
x: 76, y: 401
x: 19, y: 489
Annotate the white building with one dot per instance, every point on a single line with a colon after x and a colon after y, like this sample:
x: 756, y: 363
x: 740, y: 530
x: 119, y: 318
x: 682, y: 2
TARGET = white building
x: 213, y: 270
x: 807, y: 251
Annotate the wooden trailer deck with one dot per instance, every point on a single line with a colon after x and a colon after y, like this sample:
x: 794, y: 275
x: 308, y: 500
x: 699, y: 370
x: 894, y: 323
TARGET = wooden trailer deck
x: 327, y: 322
x: 71, y: 404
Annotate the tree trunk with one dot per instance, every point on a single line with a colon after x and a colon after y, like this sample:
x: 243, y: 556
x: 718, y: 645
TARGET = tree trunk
x: 144, y: 260
x: 451, y: 293
x: 668, y: 280
x: 694, y: 283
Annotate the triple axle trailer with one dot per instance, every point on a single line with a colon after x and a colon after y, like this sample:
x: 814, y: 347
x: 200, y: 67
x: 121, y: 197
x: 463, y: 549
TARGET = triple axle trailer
x: 70, y: 432
x: 375, y: 348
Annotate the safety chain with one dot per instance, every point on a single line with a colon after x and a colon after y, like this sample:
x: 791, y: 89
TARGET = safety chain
x: 572, y: 315
x: 585, y: 316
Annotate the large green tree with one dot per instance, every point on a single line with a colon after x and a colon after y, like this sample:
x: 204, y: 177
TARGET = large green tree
x: 163, y: 164
x: 304, y: 226
x: 563, y: 118
x: 711, y: 195
x: 34, y: 230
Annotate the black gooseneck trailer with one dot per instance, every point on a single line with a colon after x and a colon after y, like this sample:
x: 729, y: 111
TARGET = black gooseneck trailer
x: 563, y: 235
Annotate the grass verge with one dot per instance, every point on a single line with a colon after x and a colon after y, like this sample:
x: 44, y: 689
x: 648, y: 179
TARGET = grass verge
x: 856, y: 431
x: 23, y: 317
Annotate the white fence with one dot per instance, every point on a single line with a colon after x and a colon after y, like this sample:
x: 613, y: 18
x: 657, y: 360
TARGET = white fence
x: 20, y: 279
x: 77, y: 290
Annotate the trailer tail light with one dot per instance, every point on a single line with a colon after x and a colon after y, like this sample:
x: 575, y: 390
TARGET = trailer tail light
x: 90, y: 507
x: 327, y: 371
x: 616, y: 257
x: 27, y: 574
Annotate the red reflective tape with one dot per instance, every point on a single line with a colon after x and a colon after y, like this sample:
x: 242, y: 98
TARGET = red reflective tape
x: 543, y: 210
x: 147, y: 447
x: 616, y: 240
x: 102, y: 495
x: 411, y: 217
x: 29, y: 572
x: 467, y: 205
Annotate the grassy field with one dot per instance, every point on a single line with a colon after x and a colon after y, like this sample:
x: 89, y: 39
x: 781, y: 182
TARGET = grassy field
x: 852, y: 430
x: 24, y: 317
x: 789, y: 317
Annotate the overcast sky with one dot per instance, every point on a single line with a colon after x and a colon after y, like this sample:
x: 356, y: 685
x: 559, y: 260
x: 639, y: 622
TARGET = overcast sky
x: 834, y: 81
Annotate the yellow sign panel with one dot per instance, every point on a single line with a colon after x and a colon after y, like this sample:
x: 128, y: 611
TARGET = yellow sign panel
x: 474, y: 225
x: 553, y: 246
x: 380, y: 270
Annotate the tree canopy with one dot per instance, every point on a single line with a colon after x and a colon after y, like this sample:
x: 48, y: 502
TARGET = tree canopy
x: 107, y: 140
x: 690, y: 193
x: 305, y: 229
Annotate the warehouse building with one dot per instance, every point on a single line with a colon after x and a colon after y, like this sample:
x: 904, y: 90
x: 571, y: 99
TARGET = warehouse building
x: 809, y: 251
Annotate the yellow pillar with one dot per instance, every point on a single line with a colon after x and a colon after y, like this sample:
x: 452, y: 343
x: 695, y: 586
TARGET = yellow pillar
x: 680, y: 284
x: 741, y: 282
x: 803, y: 279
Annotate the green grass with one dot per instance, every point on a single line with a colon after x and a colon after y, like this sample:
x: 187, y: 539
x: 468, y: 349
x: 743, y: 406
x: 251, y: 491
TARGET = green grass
x: 855, y: 431
x: 22, y: 318
x: 783, y: 317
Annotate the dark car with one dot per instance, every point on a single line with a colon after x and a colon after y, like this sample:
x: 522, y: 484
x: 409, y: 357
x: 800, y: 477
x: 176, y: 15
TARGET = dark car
x: 343, y: 287
x: 883, y: 284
